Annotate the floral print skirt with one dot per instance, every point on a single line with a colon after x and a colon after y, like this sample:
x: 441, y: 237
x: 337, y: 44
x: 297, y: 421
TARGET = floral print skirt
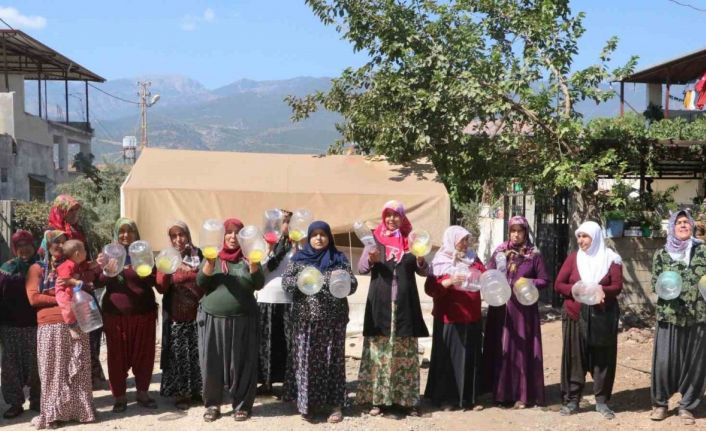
x: 389, y: 370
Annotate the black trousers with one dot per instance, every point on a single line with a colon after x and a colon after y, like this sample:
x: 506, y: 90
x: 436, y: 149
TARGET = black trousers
x: 578, y: 358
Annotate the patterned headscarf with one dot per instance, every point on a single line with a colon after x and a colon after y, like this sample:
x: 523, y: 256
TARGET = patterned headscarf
x: 674, y: 244
x: 527, y: 248
x: 57, y: 217
x: 17, y: 265
x: 190, y: 254
x: 48, y: 264
x: 395, y: 242
x: 232, y: 255
x: 124, y: 221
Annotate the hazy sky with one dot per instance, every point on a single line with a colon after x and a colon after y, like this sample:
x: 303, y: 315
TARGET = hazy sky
x: 218, y: 42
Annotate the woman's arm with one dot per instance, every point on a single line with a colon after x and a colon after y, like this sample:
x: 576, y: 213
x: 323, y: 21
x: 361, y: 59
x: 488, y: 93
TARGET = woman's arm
x: 164, y: 282
x: 563, y: 284
x: 613, y: 289
x: 289, y: 278
x: 437, y: 287
x: 354, y: 281
x: 37, y: 299
x: 541, y: 279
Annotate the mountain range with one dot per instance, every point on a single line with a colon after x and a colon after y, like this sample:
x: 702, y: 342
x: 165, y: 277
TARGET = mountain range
x: 246, y: 115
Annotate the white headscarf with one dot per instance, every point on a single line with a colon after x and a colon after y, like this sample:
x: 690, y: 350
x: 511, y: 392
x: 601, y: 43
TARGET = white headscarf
x: 594, y: 263
x: 445, y: 258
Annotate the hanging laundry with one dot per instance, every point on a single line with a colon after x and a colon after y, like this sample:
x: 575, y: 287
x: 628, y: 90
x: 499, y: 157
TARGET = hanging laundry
x: 687, y: 99
x: 692, y: 100
x: 701, y: 88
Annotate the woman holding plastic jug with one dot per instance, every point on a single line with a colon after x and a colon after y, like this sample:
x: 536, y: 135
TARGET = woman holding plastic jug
x: 18, y: 328
x: 589, y: 281
x: 227, y: 322
x: 181, y: 372
x: 316, y: 375
x: 129, y: 320
x: 680, y: 338
x: 64, y: 363
x: 454, y: 371
x: 389, y: 368
x: 275, y: 304
x: 512, y: 350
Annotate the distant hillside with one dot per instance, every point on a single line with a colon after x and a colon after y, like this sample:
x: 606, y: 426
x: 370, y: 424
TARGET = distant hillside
x: 245, y: 115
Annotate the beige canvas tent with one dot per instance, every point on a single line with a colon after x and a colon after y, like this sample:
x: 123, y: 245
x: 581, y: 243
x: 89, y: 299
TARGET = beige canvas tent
x: 165, y: 185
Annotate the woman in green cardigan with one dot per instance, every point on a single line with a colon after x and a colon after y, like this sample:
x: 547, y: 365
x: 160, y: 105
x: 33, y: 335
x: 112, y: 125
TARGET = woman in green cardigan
x: 228, y: 327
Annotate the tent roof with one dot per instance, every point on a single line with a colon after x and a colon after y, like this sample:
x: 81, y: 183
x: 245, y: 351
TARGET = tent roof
x: 679, y: 70
x: 194, y: 185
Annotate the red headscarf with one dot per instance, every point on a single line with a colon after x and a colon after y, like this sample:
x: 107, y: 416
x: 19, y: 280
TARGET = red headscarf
x: 395, y: 242
x: 18, y: 237
x: 226, y: 254
x: 57, y: 217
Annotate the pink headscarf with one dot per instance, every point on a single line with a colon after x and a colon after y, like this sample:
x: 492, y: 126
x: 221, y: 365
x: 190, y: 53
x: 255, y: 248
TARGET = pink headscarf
x: 395, y: 242
x: 445, y: 258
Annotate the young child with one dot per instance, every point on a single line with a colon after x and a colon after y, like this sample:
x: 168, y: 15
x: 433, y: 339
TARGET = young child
x: 70, y: 273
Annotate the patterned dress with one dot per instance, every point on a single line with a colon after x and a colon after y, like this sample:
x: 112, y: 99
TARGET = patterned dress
x: 316, y: 375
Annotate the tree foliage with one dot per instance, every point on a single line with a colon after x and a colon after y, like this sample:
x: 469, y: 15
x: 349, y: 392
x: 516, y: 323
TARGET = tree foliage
x: 484, y: 89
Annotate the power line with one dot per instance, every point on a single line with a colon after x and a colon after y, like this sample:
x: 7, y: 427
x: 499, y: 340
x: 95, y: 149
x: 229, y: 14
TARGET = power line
x: 114, y: 96
x: 688, y: 5
x: 5, y: 22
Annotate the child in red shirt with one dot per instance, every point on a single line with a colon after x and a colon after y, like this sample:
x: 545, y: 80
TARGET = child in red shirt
x: 70, y: 273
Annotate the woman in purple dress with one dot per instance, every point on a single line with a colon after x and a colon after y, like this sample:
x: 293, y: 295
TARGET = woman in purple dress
x: 512, y: 354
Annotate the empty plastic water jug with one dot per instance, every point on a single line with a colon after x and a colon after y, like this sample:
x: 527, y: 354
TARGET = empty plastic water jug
x: 339, y: 283
x: 587, y: 292
x: 525, y: 291
x: 310, y: 281
x: 252, y: 243
x: 495, y: 288
x: 501, y: 262
x: 420, y: 241
x: 460, y: 271
x: 141, y: 258
x: 668, y: 285
x: 85, y: 310
x: 168, y: 260
x: 211, y: 238
x: 299, y: 224
x: 364, y: 234
x: 272, y: 222
x: 115, y: 259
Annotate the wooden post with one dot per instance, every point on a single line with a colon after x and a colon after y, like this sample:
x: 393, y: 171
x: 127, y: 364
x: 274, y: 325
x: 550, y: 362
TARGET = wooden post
x: 622, y: 98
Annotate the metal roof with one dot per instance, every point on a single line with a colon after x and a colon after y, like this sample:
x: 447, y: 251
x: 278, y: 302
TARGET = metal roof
x: 22, y: 54
x: 680, y: 70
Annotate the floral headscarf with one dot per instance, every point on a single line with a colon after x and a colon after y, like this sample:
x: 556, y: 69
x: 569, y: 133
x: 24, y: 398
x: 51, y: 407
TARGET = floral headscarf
x: 16, y: 265
x: 57, y: 217
x: 525, y: 249
x: 190, y: 255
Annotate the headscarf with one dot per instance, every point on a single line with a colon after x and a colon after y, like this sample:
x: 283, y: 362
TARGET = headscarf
x: 124, y: 221
x: 527, y: 248
x: 57, y: 217
x: 445, y: 258
x: 17, y: 265
x: 48, y: 262
x: 232, y: 255
x: 190, y: 255
x: 322, y: 259
x: 395, y: 242
x: 678, y: 249
x: 594, y: 263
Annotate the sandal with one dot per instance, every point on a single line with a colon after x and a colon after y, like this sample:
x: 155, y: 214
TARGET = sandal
x: 119, y: 406
x: 375, y: 411
x: 335, y: 417
x: 183, y: 403
x: 149, y: 403
x: 212, y: 413
x: 414, y: 412
x: 519, y: 405
x: 241, y: 415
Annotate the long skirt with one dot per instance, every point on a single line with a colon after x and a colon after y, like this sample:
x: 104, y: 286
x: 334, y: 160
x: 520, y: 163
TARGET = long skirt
x: 275, y: 341
x: 389, y: 370
x: 513, y: 367
x: 131, y: 344
x: 228, y: 348
x: 19, y: 364
x: 316, y: 376
x: 181, y: 375
x: 454, y: 370
x: 95, y: 338
x: 678, y: 364
x: 578, y: 358
x: 65, y: 373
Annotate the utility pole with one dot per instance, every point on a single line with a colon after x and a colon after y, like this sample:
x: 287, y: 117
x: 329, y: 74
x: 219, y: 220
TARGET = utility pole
x: 144, y: 94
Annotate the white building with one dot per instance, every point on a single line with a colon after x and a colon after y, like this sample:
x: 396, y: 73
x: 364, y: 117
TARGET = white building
x: 34, y: 150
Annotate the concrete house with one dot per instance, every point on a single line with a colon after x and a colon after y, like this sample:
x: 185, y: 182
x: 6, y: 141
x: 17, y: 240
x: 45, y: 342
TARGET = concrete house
x: 35, y: 151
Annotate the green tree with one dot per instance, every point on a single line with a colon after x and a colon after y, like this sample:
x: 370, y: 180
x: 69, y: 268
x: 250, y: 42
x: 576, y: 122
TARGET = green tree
x: 484, y: 89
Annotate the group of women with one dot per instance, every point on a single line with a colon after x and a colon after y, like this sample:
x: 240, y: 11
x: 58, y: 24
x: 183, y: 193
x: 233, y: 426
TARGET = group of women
x: 217, y: 333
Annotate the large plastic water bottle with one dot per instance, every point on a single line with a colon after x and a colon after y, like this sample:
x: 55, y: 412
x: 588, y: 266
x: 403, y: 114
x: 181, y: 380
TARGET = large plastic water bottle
x: 86, y: 310
x: 501, y: 262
